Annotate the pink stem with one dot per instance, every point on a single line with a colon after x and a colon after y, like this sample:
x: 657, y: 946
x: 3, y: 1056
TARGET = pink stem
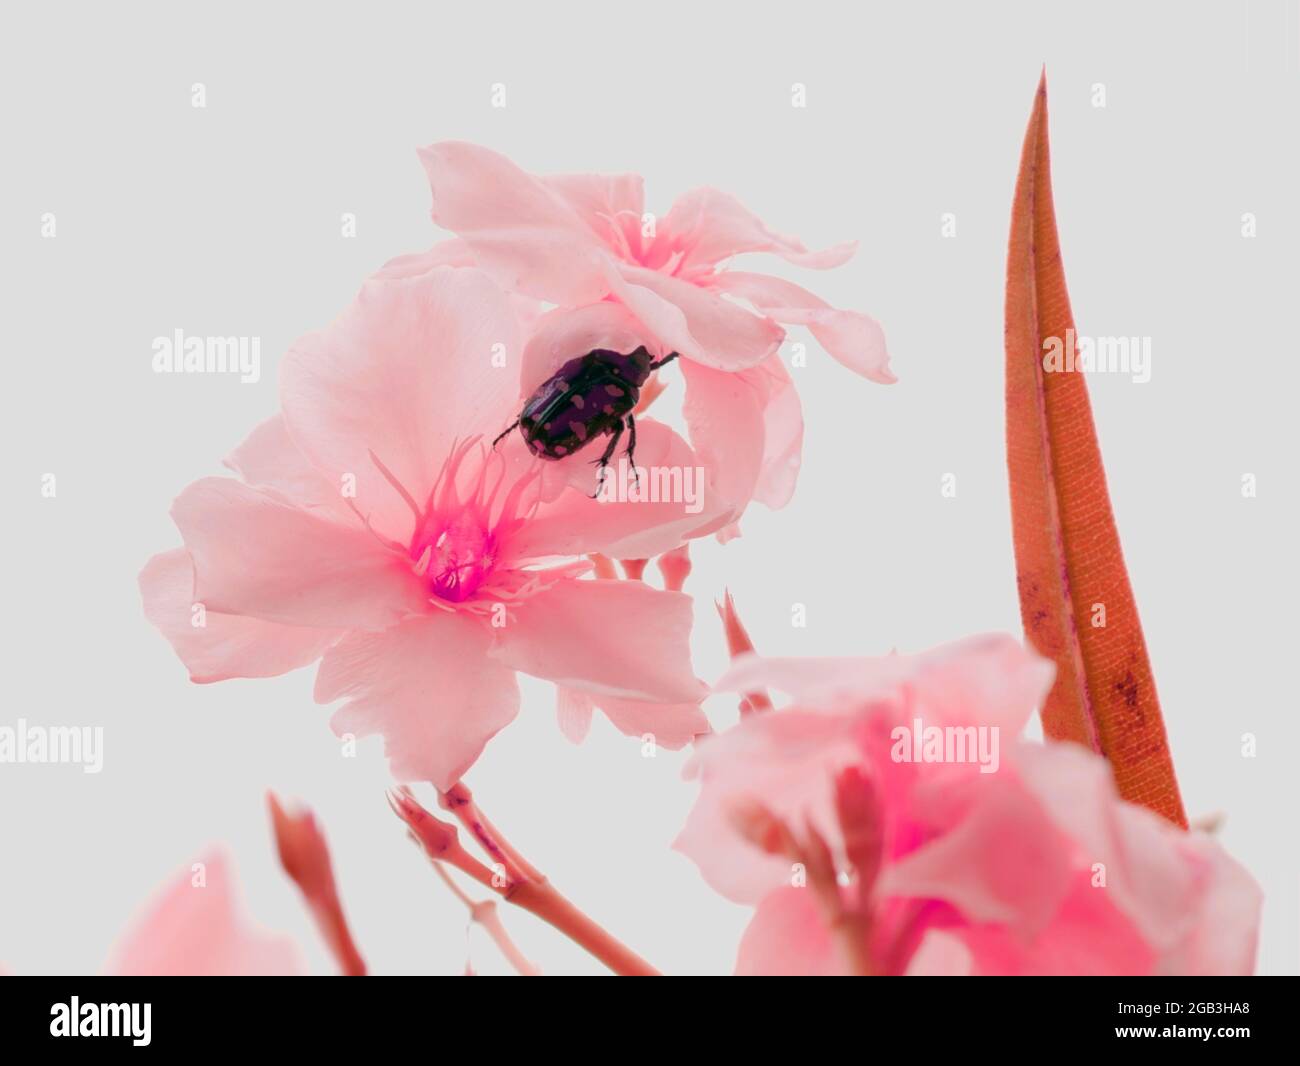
x: 676, y: 567
x: 633, y: 569
x: 305, y: 857
x: 604, y: 566
x: 524, y: 885
x: 459, y: 801
x: 484, y: 912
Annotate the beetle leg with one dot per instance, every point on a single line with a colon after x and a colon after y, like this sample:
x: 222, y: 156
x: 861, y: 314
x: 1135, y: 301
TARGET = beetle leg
x: 631, y: 449
x: 505, y: 433
x: 664, y: 361
x: 603, y: 461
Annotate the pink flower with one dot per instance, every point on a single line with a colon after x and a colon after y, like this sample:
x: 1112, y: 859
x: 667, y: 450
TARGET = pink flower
x: 195, y: 927
x: 621, y: 278
x: 375, y: 530
x: 1015, y: 858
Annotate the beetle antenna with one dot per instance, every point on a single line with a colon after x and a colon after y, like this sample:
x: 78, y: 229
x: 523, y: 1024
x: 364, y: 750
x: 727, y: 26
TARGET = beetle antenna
x: 505, y: 433
x: 664, y: 361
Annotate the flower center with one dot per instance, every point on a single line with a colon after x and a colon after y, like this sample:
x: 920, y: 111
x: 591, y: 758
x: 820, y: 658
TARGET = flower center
x: 458, y: 560
x: 457, y: 545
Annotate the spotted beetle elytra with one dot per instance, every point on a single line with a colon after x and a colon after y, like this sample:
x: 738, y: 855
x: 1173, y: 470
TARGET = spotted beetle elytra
x: 589, y: 396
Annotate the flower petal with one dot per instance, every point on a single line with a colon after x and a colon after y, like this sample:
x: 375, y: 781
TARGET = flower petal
x: 671, y: 725
x: 782, y: 433
x: 1089, y: 937
x: 428, y: 687
x: 258, y: 556
x: 414, y: 364
x: 1189, y: 899
x: 695, y: 322
x: 725, y: 419
x: 452, y: 253
x: 708, y: 226
x: 573, y: 711
x: 610, y: 638
x: 1002, y: 863
x: 196, y: 928
x: 668, y: 725
x: 611, y: 205
x: 523, y: 232
x: 853, y: 338
x: 676, y: 500
x: 786, y: 760
x: 788, y: 937
x: 268, y: 459
x: 991, y: 680
x: 225, y: 645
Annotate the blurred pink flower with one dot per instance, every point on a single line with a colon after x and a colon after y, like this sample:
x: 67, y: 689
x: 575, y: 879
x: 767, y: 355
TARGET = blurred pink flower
x: 621, y: 278
x: 195, y: 927
x: 938, y: 866
x: 374, y: 529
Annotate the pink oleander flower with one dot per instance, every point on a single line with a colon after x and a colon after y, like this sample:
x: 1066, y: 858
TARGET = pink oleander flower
x: 374, y: 529
x: 1022, y: 860
x: 620, y: 278
x: 195, y: 927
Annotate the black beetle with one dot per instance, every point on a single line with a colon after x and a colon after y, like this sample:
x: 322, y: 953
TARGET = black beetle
x: 588, y: 396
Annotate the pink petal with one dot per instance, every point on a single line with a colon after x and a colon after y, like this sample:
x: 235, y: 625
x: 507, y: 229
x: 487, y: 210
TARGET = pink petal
x: 255, y: 555
x: 199, y: 930
x: 627, y: 525
x: 573, y: 711
x: 452, y: 253
x: 785, y: 760
x: 1225, y: 938
x: 940, y: 954
x: 1002, y: 863
x: 672, y: 725
x: 226, y: 645
x: 725, y: 416
x: 610, y: 638
x: 268, y: 459
x: 523, y: 232
x: 610, y: 205
x: 983, y: 680
x: 411, y: 366
x: 854, y: 339
x: 428, y: 687
x: 788, y: 937
x: 782, y: 431
x: 1197, y: 908
x: 1088, y: 937
x: 710, y: 226
x: 695, y: 322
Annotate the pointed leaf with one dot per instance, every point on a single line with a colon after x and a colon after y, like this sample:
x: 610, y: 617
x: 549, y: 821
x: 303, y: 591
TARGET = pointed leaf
x: 1069, y: 567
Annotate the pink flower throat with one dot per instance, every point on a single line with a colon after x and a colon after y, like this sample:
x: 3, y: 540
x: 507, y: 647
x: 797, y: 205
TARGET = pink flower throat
x: 460, y: 530
x: 459, y: 559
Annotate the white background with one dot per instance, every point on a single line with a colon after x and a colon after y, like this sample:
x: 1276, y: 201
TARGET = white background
x: 226, y: 221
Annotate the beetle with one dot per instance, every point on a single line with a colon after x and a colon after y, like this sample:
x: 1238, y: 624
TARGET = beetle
x: 589, y: 396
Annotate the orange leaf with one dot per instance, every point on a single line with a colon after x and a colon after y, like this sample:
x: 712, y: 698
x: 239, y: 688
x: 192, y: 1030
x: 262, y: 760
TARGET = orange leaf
x: 1069, y: 567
